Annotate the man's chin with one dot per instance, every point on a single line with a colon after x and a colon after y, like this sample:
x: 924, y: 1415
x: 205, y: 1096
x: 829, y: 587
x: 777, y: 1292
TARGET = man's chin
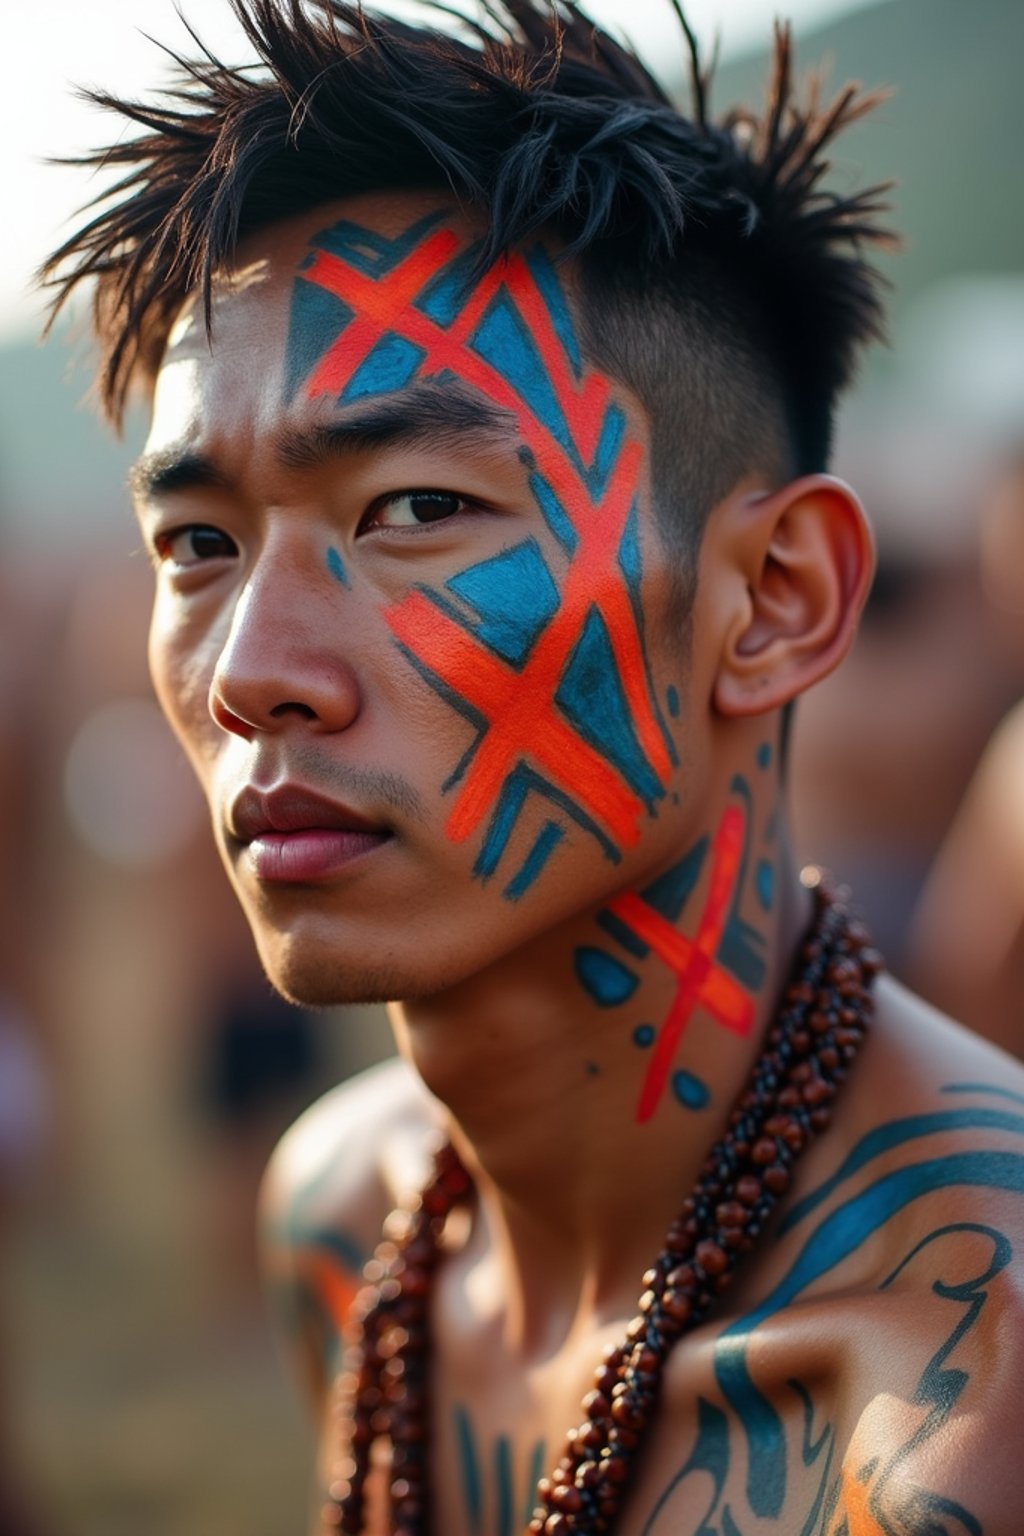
x: 329, y: 987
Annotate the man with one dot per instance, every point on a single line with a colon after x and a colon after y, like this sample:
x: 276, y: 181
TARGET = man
x: 491, y: 404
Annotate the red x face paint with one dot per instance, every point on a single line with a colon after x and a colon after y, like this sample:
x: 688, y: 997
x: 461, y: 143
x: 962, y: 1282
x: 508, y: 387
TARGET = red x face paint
x: 543, y: 654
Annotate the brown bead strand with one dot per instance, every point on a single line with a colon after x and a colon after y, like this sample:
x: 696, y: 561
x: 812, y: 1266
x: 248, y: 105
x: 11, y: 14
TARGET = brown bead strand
x: 382, y: 1392
x: 788, y: 1099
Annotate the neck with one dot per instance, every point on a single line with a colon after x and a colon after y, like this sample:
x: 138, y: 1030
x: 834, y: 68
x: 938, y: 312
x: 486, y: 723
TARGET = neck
x: 600, y: 1062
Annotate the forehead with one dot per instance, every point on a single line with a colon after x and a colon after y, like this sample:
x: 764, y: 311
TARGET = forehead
x: 368, y: 297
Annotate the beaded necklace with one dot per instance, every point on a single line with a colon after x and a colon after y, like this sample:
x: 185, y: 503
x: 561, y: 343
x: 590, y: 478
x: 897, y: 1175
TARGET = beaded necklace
x: 383, y: 1392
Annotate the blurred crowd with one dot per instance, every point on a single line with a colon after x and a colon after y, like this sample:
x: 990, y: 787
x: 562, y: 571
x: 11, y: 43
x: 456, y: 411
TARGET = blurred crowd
x: 146, y: 1068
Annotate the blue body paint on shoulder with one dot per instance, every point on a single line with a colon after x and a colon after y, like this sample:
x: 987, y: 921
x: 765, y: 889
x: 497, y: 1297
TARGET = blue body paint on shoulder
x: 643, y: 1035
x: 470, y: 1467
x: 895, y: 1133
x: 989, y: 1088
x: 672, y: 701
x: 839, y: 1235
x: 533, y: 1477
x: 710, y: 1456
x: 503, y: 1485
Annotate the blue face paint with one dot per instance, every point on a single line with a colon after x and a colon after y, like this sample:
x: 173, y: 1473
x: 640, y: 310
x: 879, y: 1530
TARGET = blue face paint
x: 369, y: 252
x: 742, y: 950
x: 608, y: 981
x: 336, y: 566
x: 591, y: 696
x: 691, y: 1091
x: 764, y: 882
x: 554, y: 513
x: 315, y: 313
x: 764, y: 755
x: 672, y: 701
x: 443, y: 297
x: 609, y: 445
x: 503, y: 339
x: 412, y: 306
x: 670, y: 892
x: 514, y: 596
x: 548, y: 839
x: 547, y: 280
x: 643, y: 1035
x: 521, y: 783
x: 390, y: 366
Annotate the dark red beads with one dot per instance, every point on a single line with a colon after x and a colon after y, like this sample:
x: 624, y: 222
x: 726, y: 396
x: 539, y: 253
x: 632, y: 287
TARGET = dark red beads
x: 382, y: 1394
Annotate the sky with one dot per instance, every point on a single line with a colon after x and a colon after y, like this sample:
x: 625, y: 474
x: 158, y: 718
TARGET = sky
x: 51, y: 47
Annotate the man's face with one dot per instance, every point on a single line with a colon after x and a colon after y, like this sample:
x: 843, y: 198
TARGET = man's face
x: 413, y: 625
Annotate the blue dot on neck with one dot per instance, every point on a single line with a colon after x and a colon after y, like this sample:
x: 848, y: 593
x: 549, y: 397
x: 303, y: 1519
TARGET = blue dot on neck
x: 691, y: 1092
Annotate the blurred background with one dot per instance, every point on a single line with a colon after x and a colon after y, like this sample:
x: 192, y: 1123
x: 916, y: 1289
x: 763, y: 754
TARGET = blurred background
x: 145, y: 1067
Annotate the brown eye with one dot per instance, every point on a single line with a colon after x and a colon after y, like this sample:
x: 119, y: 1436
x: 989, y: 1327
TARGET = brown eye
x: 412, y: 509
x: 190, y: 546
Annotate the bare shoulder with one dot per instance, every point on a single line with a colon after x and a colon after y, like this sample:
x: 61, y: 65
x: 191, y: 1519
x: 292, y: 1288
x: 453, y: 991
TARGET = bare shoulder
x: 867, y: 1378
x: 357, y: 1146
x: 330, y: 1183
x: 897, y: 1304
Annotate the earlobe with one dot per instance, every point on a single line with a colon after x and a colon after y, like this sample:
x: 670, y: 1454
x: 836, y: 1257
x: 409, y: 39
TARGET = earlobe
x: 807, y: 557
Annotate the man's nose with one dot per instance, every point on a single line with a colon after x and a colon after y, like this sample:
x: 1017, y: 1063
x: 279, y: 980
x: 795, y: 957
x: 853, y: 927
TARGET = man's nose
x: 283, y: 664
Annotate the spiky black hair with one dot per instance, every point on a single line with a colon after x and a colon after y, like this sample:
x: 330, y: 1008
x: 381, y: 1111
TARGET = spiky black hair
x: 721, y: 280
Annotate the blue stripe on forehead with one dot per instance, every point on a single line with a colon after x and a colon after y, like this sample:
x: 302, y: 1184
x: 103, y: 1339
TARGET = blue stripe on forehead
x: 503, y: 339
x: 389, y: 366
x: 315, y: 318
x: 371, y: 253
x: 544, y: 275
x: 443, y: 297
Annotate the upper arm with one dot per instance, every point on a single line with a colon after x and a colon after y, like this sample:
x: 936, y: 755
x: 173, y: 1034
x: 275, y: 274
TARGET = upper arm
x: 324, y: 1197
x: 967, y: 940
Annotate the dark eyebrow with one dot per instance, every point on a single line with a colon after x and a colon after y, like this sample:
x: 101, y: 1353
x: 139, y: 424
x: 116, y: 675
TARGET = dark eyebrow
x: 443, y: 414
x: 172, y: 469
x: 440, y: 414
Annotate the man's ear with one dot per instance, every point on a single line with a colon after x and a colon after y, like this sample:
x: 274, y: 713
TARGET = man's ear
x: 802, y: 559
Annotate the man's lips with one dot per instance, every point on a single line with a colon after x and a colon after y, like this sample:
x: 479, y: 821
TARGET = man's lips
x: 293, y: 834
